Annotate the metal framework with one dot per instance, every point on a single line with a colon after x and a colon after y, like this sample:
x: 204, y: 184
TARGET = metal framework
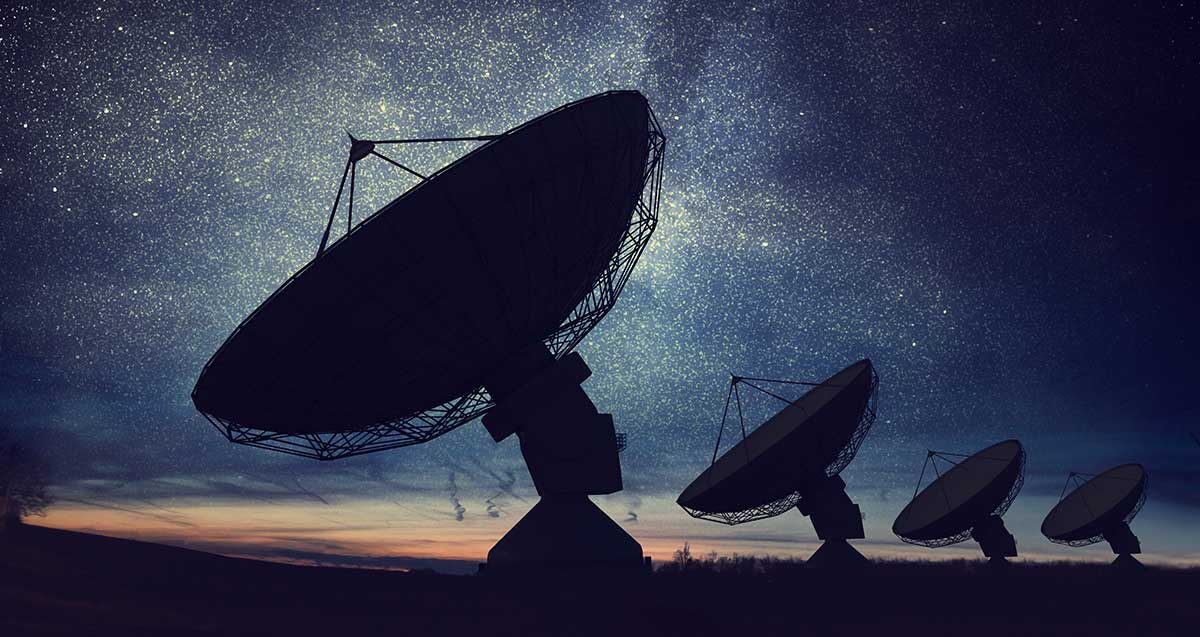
x: 1077, y: 479
x: 423, y: 426
x: 1000, y: 510
x: 788, y: 502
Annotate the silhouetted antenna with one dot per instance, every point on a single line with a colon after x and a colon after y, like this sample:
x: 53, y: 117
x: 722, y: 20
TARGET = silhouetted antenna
x: 1100, y: 507
x: 793, y: 460
x: 464, y: 297
x: 967, y: 501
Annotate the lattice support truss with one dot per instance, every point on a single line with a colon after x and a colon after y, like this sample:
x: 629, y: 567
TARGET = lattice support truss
x: 788, y: 502
x: 940, y: 542
x: 999, y: 511
x: 421, y: 427
x: 603, y: 295
x: 768, y: 510
x: 1088, y: 541
x: 842, y: 460
x: 412, y: 429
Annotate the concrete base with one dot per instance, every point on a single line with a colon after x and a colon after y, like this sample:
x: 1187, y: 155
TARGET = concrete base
x: 836, y: 554
x: 1125, y: 561
x: 565, y: 533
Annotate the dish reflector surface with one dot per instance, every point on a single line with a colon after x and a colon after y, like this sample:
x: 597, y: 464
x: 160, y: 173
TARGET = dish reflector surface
x: 411, y: 310
x: 815, y: 436
x: 1082, y: 517
x: 981, y: 485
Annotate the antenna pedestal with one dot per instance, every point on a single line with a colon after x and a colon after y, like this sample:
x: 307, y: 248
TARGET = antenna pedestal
x: 836, y: 554
x: 995, y: 540
x: 1127, y: 562
x: 571, y: 452
x: 835, y: 519
x: 565, y: 533
x: 568, y: 446
x: 1124, y: 543
x: 1122, y: 540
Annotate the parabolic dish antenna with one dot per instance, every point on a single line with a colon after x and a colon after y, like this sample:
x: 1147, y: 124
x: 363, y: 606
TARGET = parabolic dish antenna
x: 794, y: 460
x: 1100, y: 508
x: 967, y: 501
x: 464, y: 296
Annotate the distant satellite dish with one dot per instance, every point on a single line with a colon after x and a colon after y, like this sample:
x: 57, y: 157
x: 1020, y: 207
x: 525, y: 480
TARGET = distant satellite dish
x: 1100, y: 508
x: 794, y: 460
x: 465, y: 296
x: 967, y: 501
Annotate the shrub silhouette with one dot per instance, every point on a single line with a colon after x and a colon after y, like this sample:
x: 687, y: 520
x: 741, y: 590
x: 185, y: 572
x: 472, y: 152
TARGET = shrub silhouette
x: 24, y: 478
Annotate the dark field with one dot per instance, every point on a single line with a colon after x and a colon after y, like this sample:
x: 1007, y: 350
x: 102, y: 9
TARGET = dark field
x: 59, y: 582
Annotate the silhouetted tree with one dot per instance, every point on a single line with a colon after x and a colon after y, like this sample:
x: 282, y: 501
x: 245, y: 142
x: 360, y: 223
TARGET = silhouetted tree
x: 24, y: 478
x: 683, y: 557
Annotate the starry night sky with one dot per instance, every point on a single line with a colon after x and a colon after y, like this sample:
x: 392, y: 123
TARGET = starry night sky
x: 996, y: 204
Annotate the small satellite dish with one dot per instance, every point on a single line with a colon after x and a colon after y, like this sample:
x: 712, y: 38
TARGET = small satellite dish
x: 1100, y: 508
x: 967, y: 501
x: 794, y: 460
x: 465, y: 297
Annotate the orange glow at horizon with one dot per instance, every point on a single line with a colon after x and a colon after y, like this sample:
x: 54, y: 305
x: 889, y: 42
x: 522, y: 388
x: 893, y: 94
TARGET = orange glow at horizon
x: 302, y: 532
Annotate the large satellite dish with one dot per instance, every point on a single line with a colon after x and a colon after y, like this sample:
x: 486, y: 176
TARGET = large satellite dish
x: 967, y: 501
x: 463, y: 296
x: 1100, y: 508
x: 794, y: 460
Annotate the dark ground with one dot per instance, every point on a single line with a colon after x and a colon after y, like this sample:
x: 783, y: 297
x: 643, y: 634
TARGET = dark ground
x: 60, y: 582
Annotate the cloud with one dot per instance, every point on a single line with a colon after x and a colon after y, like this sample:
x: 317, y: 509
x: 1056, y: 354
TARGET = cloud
x: 506, y: 481
x: 311, y: 494
x: 634, y: 502
x: 417, y: 512
x: 170, y: 517
x: 215, y: 488
x: 459, y: 509
x: 289, y: 489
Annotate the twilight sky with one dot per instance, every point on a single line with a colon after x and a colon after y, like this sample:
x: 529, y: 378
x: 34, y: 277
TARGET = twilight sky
x: 997, y: 205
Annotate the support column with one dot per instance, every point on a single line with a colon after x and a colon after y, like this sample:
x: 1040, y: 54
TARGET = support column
x: 571, y: 452
x: 1124, y: 544
x: 835, y: 519
x: 995, y: 540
